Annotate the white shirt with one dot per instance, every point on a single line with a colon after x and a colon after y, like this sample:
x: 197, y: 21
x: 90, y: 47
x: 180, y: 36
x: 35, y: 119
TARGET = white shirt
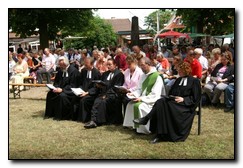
x: 204, y: 62
x: 48, y: 61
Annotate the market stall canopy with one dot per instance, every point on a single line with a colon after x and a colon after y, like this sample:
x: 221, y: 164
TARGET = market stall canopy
x: 173, y: 34
x: 225, y: 36
x: 193, y: 35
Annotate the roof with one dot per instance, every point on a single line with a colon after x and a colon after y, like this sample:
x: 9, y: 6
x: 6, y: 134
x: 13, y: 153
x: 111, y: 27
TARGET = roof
x: 120, y: 25
x: 13, y: 35
x: 175, y: 23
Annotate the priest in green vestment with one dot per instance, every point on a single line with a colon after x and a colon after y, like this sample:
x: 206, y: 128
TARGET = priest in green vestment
x: 148, y: 91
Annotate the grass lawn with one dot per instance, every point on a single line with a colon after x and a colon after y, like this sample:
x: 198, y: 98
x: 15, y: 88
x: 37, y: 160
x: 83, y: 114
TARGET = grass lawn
x: 31, y: 137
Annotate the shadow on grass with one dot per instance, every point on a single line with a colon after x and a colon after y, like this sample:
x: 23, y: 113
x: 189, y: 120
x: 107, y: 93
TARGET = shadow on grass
x: 38, y: 114
x: 128, y: 131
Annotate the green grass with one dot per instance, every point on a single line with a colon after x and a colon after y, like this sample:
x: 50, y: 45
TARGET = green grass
x: 31, y: 137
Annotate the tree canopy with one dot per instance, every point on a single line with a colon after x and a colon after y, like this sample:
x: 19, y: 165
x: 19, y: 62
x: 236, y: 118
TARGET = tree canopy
x: 98, y: 32
x: 209, y: 21
x: 48, y: 22
x: 164, y: 17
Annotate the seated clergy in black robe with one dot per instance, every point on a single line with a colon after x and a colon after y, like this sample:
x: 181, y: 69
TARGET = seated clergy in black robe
x: 104, y: 109
x: 58, y: 100
x: 171, y: 117
x: 85, y: 101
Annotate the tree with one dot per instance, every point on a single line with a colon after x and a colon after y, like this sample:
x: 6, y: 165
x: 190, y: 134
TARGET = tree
x: 209, y: 21
x: 98, y: 32
x: 164, y: 17
x: 47, y: 22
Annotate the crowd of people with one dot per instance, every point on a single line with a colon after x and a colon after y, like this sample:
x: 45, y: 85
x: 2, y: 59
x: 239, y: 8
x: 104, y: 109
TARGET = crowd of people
x: 145, y: 89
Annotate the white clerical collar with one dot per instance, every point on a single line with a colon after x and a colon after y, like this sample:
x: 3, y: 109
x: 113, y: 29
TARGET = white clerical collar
x: 183, y: 81
x: 110, y: 76
x: 153, y: 69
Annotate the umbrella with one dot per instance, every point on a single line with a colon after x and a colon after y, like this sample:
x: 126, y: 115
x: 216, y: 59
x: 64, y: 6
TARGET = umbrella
x: 173, y: 34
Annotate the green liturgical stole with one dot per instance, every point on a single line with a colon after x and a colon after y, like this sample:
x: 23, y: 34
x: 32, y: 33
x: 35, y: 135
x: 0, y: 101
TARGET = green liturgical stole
x: 148, y: 83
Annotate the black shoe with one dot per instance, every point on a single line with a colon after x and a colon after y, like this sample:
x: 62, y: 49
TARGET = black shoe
x: 157, y: 139
x: 91, y: 124
x: 141, y: 121
x: 228, y: 109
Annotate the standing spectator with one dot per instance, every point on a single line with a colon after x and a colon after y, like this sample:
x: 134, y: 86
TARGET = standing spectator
x: 120, y: 59
x: 20, y: 49
x: 59, y: 44
x: 48, y: 63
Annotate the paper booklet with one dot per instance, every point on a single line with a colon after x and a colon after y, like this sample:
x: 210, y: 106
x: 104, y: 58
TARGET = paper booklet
x: 77, y: 91
x: 50, y: 86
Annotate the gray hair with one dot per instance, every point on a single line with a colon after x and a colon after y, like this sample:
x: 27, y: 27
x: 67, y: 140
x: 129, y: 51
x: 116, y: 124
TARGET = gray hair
x: 216, y: 51
x: 198, y: 51
x: 146, y: 60
x: 65, y: 59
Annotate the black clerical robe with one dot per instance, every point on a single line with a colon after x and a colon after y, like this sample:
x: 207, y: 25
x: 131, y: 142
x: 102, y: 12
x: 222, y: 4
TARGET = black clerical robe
x: 58, y: 105
x: 106, y: 106
x: 84, y: 105
x: 174, y: 120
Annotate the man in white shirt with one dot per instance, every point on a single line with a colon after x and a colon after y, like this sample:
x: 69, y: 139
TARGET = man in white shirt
x: 48, y: 63
x: 203, y: 61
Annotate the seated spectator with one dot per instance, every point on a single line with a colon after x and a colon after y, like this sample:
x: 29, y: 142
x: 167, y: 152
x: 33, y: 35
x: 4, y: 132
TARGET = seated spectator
x: 106, y: 53
x: 20, y: 71
x: 229, y: 97
x: 172, y: 75
x: 171, y: 118
x: 48, y: 63
x: 213, y: 62
x: 203, y: 61
x: 29, y: 61
x: 195, y: 64
x: 156, y: 64
x: 164, y: 62
x: 11, y: 64
x: 120, y: 59
x: 101, y: 64
x: 149, y: 89
x: 165, y: 52
x: 36, y: 59
x: 105, y: 106
x: 137, y: 51
x: 58, y: 100
x: 175, y: 51
x: 221, y: 76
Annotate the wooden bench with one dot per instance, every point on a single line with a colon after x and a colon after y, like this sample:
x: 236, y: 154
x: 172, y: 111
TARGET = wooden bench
x: 16, y: 87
